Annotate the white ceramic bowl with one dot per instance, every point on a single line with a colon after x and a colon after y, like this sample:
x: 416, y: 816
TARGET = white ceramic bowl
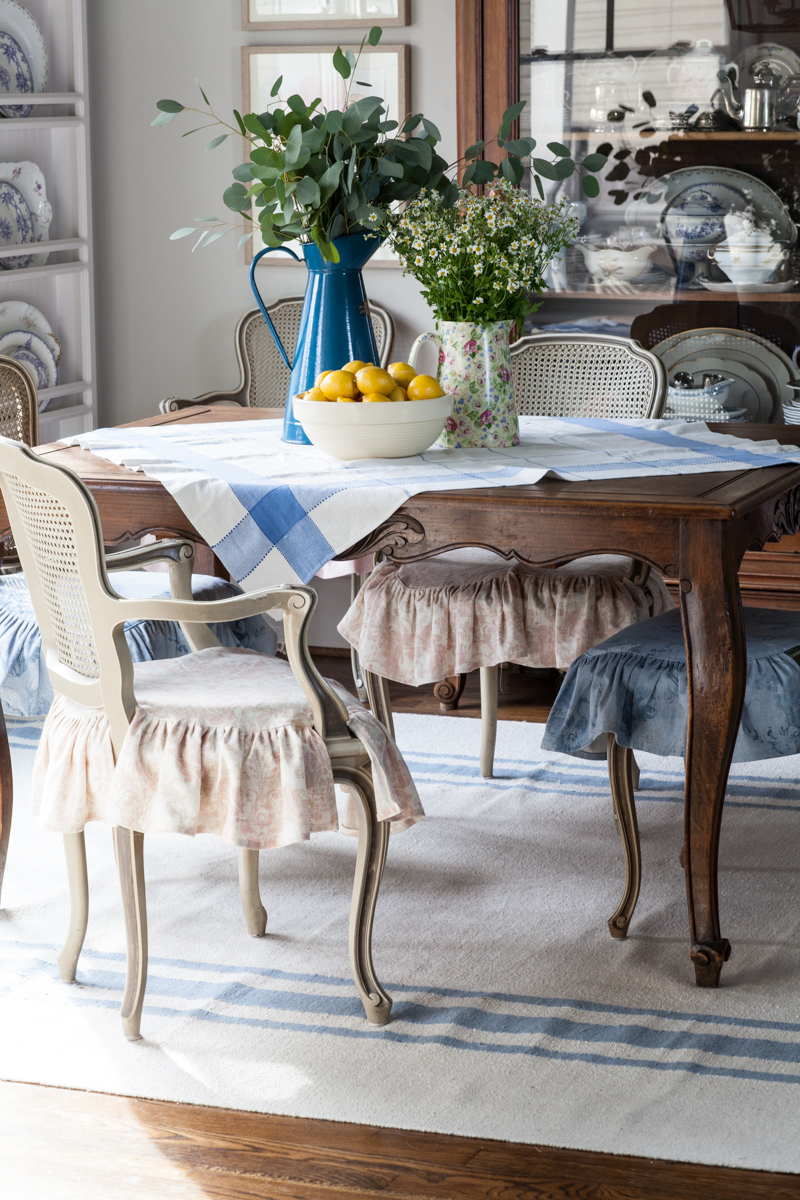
x: 391, y: 430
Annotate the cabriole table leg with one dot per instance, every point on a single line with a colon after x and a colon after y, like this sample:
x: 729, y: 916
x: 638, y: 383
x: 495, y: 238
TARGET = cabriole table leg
x: 716, y: 659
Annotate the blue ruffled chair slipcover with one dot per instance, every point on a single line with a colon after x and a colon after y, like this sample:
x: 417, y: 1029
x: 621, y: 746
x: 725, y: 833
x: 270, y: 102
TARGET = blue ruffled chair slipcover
x: 25, y: 689
x: 634, y: 685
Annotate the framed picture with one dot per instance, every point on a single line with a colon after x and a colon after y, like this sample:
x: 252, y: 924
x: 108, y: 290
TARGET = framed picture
x: 308, y: 71
x: 765, y: 16
x: 322, y: 14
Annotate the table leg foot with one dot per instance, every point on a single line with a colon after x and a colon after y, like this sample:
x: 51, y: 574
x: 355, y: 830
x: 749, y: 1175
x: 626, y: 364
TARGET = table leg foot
x: 708, y: 958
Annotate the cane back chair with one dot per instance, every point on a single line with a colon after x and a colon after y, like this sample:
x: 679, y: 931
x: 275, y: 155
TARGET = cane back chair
x: 263, y: 376
x: 555, y: 375
x: 19, y: 420
x: 57, y: 528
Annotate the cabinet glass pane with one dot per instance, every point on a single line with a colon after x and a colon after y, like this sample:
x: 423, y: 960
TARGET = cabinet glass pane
x: 695, y: 102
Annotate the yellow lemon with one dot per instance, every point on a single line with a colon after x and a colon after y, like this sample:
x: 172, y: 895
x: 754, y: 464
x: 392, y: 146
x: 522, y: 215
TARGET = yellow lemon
x: 355, y: 366
x: 345, y: 399
x: 320, y: 377
x: 424, y: 387
x: 401, y: 373
x: 374, y: 379
x: 339, y: 383
x: 398, y: 393
x: 375, y: 398
x: 315, y: 393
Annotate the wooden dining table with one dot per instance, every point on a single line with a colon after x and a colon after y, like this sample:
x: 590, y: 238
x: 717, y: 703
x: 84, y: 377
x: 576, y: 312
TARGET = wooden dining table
x: 692, y: 528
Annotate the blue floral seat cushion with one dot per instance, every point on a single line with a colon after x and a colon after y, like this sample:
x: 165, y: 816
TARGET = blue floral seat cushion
x: 25, y: 689
x: 634, y: 685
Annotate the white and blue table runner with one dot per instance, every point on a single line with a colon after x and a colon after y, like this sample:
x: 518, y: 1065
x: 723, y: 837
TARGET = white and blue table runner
x: 275, y: 512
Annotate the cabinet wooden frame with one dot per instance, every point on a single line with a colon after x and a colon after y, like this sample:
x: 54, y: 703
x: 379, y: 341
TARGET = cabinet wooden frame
x: 487, y: 68
x: 331, y: 22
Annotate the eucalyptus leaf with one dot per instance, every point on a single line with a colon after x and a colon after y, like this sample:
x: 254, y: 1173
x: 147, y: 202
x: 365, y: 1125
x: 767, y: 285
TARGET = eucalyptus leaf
x: 170, y: 106
x: 594, y: 162
x: 307, y: 191
x: 331, y: 176
x: 363, y: 83
x: 244, y: 239
x: 180, y: 233
x: 564, y: 168
x: 294, y: 144
x: 217, y: 234
x: 340, y: 63
x: 352, y: 121
x: 240, y: 122
x: 412, y: 123
x: 205, y: 219
x: 198, y: 129
x: 202, y: 93
x: 474, y: 151
x: 164, y: 118
x: 374, y: 35
x: 236, y: 197
x: 242, y: 173
x: 390, y: 169
x: 200, y: 240
x: 387, y: 126
x: 254, y: 125
x: 333, y: 121
x: 431, y: 129
x: 217, y: 141
x: 558, y: 149
x: 276, y: 87
x: 288, y: 209
x: 297, y: 104
x: 539, y: 187
x: 351, y: 58
x: 513, y: 112
x: 544, y: 168
x: 590, y: 186
x: 520, y: 146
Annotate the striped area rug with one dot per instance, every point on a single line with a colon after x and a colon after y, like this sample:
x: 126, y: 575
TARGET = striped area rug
x: 516, y: 1015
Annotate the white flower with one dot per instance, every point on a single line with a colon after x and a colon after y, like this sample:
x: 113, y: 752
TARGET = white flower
x: 419, y: 260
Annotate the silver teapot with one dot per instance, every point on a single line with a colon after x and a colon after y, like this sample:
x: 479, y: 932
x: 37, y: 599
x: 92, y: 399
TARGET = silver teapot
x: 759, y: 106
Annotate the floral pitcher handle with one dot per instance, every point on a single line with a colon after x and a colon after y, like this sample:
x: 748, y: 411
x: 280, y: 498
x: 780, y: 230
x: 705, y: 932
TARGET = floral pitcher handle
x: 424, y: 337
x: 257, y: 294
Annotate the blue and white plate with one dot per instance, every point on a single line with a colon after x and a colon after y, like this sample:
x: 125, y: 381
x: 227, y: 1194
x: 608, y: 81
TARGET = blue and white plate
x: 18, y: 24
x: 16, y: 226
x: 15, y: 74
x: 32, y: 351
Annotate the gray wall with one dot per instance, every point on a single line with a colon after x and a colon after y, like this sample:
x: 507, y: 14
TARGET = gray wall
x: 165, y: 316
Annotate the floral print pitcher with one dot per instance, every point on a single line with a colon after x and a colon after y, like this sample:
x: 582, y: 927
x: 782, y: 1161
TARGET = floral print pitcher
x: 475, y: 367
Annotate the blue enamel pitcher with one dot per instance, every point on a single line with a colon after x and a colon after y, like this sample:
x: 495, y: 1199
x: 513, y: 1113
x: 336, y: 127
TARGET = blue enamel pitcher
x: 334, y: 325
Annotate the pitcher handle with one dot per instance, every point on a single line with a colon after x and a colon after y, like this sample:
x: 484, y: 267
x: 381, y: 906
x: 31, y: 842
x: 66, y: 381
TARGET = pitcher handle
x: 423, y: 337
x: 257, y: 294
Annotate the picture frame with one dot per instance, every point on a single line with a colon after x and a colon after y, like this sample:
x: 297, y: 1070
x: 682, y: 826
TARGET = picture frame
x: 756, y: 16
x: 309, y: 71
x: 342, y: 14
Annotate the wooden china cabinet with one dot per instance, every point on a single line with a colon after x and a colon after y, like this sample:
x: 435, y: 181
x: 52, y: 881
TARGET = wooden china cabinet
x: 635, y: 79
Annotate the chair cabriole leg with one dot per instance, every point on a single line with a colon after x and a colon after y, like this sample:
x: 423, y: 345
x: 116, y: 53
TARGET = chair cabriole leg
x: 488, y: 676
x: 130, y: 861
x: 373, y: 840
x: 255, y: 914
x: 379, y: 702
x: 75, y: 853
x: 6, y: 796
x: 620, y: 762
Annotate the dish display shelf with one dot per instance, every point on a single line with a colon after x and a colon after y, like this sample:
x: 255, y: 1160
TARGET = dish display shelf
x: 55, y: 136
x: 622, y: 78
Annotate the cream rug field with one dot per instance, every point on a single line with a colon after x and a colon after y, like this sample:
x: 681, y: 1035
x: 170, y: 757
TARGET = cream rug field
x: 516, y: 1015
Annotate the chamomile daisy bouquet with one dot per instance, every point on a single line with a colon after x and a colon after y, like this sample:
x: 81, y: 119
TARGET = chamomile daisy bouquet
x: 481, y: 258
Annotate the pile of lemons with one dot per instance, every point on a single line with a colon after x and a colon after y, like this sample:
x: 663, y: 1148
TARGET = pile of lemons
x: 359, y: 382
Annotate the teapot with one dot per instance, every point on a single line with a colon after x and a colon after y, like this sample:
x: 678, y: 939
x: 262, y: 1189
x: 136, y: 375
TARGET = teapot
x: 758, y: 108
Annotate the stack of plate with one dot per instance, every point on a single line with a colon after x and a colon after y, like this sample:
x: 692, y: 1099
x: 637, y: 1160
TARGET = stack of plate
x: 25, y: 212
x: 761, y: 371
x: 26, y: 336
x: 23, y: 56
x: 791, y: 412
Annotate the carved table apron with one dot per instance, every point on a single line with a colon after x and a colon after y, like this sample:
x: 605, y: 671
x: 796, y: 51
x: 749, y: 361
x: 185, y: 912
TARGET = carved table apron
x: 693, y: 527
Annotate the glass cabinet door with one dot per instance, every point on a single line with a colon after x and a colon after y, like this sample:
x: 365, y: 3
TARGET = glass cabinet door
x: 695, y: 103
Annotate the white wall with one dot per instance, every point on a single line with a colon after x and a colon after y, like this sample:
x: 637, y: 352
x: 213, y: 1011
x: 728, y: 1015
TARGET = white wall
x: 165, y: 316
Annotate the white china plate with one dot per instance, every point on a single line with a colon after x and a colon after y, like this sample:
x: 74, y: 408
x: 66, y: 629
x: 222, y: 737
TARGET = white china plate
x: 15, y: 74
x: 750, y: 390
x: 35, y: 367
x: 781, y: 59
x: 769, y: 206
x: 31, y: 344
x: 16, y: 314
x: 745, y: 347
x: 17, y: 21
x: 788, y: 285
x: 28, y: 179
x: 16, y: 226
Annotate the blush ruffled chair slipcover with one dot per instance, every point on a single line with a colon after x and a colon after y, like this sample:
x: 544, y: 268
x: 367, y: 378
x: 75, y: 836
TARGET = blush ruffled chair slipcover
x: 631, y: 693
x: 222, y: 742
x: 467, y: 609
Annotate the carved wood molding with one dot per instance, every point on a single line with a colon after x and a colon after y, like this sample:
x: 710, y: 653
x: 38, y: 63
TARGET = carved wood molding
x: 787, y: 516
x: 396, y: 533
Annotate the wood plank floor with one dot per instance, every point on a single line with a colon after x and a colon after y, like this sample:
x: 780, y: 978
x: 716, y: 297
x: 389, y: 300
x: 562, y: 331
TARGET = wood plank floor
x: 57, y: 1144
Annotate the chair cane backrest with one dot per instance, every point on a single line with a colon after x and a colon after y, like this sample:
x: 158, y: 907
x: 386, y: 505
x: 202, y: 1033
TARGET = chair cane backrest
x: 579, y: 375
x: 59, y: 538
x: 265, y: 378
x: 19, y: 420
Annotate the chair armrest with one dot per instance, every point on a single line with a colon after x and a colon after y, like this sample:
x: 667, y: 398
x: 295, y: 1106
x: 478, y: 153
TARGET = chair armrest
x: 175, y: 403
x: 174, y: 550
x: 294, y: 603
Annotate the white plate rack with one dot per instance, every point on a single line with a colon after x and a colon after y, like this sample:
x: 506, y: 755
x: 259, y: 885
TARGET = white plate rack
x: 56, y: 137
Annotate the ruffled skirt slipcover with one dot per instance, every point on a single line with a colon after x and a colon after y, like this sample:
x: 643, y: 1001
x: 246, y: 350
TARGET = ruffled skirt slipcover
x: 25, y: 689
x: 221, y: 742
x: 634, y: 686
x: 426, y: 621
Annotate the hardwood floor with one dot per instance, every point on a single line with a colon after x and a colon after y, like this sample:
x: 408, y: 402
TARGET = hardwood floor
x: 57, y: 1144
x: 69, y: 1145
